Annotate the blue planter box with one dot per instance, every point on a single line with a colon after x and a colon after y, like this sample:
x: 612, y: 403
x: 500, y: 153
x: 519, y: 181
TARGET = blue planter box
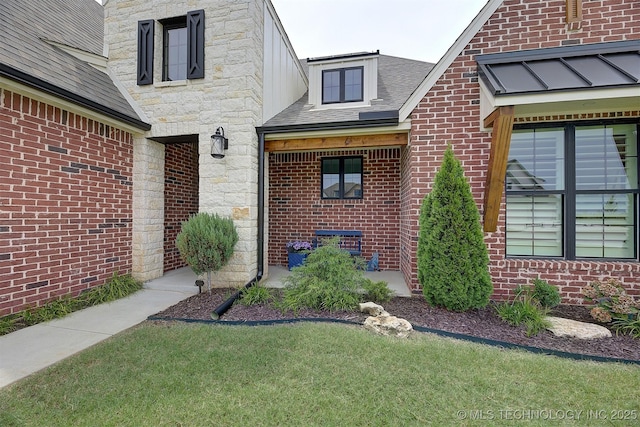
x: 296, y: 259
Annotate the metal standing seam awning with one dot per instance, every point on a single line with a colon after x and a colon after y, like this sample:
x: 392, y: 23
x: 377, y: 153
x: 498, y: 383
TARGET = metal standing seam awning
x: 566, y: 68
x: 542, y: 71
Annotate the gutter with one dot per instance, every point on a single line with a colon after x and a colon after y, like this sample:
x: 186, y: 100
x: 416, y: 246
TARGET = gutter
x: 48, y: 88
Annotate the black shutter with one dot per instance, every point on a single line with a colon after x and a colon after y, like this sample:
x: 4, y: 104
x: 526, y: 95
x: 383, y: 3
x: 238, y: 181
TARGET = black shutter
x: 195, y: 44
x: 145, y: 52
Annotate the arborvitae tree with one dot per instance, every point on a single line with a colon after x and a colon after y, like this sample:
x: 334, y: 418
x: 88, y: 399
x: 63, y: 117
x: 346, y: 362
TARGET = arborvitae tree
x: 206, y: 243
x: 452, y: 257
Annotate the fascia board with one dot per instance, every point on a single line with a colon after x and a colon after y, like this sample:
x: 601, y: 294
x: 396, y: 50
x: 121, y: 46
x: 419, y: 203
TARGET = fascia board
x: 97, y: 61
x: 401, y: 127
x: 566, y: 95
x: 447, y: 59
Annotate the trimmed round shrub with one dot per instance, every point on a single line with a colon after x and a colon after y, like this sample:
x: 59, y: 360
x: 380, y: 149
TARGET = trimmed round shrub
x: 206, y: 242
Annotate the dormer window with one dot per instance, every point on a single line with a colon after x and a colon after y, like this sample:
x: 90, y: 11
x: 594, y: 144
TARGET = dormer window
x: 342, y: 85
x: 343, y: 81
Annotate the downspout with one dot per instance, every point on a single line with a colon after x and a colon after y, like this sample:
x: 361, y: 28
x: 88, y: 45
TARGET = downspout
x: 222, y: 308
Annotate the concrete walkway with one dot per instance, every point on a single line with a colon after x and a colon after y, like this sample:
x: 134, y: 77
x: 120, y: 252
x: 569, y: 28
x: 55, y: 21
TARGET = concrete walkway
x: 31, y: 349
x: 34, y: 348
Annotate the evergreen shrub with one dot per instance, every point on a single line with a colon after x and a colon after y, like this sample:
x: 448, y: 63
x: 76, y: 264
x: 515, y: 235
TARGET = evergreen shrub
x: 452, y: 257
x: 330, y: 279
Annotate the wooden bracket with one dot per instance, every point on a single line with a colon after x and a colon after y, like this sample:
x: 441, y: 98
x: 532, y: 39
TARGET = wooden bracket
x: 501, y: 119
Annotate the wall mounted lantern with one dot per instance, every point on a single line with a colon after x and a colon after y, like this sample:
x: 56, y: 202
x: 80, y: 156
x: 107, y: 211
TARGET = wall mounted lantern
x: 218, y: 144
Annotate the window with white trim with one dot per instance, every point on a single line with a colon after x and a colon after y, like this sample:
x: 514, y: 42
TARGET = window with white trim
x: 342, y: 85
x: 572, y: 192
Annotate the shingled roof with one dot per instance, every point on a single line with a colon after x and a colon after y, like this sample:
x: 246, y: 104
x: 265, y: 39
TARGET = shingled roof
x: 29, y: 33
x: 398, y: 78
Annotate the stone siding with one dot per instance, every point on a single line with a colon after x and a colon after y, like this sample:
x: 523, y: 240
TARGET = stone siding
x: 229, y: 95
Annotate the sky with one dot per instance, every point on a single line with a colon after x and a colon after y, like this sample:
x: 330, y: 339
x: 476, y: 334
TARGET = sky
x: 414, y: 29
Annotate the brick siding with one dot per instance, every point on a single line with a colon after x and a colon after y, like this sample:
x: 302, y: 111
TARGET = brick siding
x: 296, y: 209
x: 180, y: 196
x: 450, y: 113
x: 65, y: 202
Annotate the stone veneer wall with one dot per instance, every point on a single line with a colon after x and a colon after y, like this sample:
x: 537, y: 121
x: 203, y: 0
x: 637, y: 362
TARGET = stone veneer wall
x: 229, y: 95
x: 450, y: 113
x: 296, y: 209
x: 65, y: 202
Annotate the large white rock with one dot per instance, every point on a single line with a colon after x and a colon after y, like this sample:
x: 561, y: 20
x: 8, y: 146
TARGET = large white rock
x: 388, y: 325
x: 571, y: 328
x: 372, y: 308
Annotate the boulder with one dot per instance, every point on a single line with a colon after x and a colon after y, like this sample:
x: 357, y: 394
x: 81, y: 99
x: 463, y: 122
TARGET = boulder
x: 571, y: 328
x: 372, y: 309
x: 388, y: 325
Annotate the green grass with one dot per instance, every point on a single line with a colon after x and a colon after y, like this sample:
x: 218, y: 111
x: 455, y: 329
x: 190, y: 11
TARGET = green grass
x: 118, y: 286
x: 305, y: 375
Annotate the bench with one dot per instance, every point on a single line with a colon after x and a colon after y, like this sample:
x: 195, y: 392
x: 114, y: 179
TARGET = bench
x: 350, y: 240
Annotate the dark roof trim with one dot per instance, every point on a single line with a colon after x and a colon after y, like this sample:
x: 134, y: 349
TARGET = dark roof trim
x: 308, y: 127
x: 379, y: 115
x: 20, y: 77
x: 555, y: 52
x: 345, y: 56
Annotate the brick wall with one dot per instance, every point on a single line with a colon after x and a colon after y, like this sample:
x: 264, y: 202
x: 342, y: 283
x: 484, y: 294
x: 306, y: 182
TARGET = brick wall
x: 65, y: 202
x: 180, y: 196
x: 296, y: 209
x: 450, y: 113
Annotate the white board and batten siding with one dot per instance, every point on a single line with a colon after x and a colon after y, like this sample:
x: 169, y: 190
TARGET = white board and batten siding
x: 284, y: 79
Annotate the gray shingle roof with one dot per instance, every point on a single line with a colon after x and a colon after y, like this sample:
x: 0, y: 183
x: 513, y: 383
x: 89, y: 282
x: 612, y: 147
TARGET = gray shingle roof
x: 397, y: 79
x: 26, y: 27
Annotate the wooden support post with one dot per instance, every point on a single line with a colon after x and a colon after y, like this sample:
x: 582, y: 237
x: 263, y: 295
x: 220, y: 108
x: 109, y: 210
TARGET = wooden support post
x: 502, y: 122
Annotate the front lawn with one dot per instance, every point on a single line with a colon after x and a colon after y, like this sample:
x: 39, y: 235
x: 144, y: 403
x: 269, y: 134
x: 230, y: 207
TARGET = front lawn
x: 174, y: 374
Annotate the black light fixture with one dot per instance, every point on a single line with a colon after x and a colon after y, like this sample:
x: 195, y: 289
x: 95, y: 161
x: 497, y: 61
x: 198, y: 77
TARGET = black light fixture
x: 218, y: 144
x: 199, y: 284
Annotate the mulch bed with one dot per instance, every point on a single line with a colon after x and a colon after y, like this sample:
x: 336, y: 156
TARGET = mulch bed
x: 482, y: 323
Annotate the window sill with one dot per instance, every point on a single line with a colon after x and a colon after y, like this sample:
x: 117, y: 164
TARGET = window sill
x: 171, y: 83
x: 339, y: 106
